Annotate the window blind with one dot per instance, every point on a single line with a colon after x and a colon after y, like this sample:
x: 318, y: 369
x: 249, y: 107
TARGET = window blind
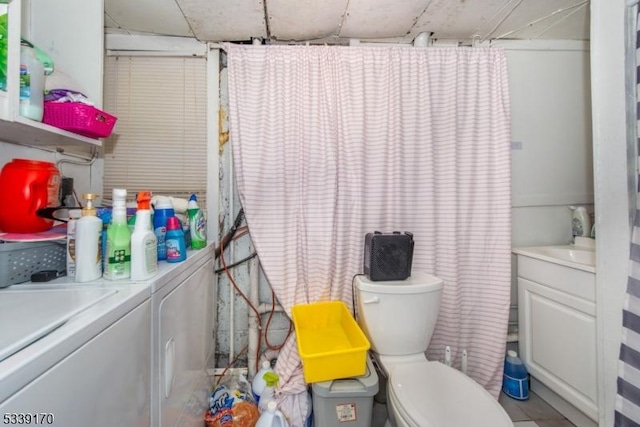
x: 159, y: 142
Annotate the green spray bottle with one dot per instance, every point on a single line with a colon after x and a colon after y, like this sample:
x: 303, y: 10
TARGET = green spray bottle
x: 118, y: 256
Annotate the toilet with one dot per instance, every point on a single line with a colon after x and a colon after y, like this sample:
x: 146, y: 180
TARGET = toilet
x: 398, y: 318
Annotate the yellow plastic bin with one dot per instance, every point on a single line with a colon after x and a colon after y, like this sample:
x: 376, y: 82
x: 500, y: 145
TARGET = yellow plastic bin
x: 330, y: 342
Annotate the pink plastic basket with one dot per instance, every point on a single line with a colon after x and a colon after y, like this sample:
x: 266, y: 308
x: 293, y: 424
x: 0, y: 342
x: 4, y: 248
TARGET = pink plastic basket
x: 79, y: 118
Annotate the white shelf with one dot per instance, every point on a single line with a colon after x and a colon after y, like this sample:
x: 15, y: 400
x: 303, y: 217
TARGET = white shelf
x: 79, y: 57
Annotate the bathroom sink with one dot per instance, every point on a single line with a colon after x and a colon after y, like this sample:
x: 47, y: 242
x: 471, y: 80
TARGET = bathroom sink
x: 581, y: 257
x: 568, y: 253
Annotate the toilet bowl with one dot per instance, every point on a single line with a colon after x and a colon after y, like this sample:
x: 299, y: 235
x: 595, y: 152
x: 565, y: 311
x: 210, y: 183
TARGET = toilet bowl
x: 398, y: 318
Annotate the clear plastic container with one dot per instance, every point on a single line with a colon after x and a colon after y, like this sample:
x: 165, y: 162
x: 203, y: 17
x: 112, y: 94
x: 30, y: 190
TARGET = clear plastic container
x: 515, y: 381
x: 31, y: 84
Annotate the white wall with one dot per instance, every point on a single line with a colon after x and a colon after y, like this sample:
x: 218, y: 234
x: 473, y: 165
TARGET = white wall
x: 611, y: 194
x: 85, y: 178
x: 551, y: 134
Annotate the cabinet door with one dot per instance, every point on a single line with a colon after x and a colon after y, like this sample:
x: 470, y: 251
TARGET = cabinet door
x: 104, y: 383
x: 186, y: 341
x: 558, y: 343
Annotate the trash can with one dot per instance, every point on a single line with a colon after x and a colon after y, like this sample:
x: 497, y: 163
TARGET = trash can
x: 345, y: 402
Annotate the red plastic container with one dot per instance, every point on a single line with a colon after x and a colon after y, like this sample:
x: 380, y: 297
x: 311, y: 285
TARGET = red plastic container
x: 26, y: 186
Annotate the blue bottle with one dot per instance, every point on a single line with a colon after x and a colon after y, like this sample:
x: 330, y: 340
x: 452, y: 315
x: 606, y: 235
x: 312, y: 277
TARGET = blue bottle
x: 163, y: 210
x: 175, y: 244
x: 515, y: 381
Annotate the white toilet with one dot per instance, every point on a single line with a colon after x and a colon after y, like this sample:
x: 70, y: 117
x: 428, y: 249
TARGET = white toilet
x: 398, y: 317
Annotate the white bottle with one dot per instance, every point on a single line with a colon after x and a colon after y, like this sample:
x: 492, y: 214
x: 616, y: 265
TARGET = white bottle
x: 88, y: 230
x: 74, y: 215
x: 144, y: 244
x: 272, y: 417
x: 259, y: 383
x: 580, y: 222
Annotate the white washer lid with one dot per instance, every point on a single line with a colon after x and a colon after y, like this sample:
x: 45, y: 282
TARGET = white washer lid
x: 417, y: 283
x: 432, y: 394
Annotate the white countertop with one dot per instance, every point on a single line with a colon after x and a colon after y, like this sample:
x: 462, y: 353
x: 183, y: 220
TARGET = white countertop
x: 578, y: 257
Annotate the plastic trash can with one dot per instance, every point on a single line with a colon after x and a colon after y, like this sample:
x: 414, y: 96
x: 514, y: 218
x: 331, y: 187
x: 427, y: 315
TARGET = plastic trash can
x: 345, y: 402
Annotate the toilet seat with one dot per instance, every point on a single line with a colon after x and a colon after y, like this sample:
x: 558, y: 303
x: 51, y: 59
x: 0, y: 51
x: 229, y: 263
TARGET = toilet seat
x: 430, y: 394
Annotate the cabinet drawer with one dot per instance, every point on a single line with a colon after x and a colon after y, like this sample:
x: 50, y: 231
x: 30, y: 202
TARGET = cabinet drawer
x: 572, y: 281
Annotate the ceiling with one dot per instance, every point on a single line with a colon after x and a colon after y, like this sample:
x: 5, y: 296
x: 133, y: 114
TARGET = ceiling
x: 338, y: 21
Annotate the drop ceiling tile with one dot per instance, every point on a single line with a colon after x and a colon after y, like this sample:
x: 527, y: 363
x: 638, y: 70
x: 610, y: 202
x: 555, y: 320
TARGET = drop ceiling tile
x: 149, y: 16
x: 381, y: 18
x: 304, y: 19
x: 225, y: 20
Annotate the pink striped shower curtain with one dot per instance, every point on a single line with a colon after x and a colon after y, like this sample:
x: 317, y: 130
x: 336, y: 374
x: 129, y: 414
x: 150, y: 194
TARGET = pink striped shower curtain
x: 330, y: 143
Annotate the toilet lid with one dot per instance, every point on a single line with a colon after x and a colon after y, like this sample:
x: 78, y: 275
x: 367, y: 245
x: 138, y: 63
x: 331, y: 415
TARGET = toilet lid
x: 430, y: 394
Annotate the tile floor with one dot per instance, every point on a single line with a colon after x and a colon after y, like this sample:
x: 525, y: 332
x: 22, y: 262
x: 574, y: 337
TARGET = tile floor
x: 533, y: 412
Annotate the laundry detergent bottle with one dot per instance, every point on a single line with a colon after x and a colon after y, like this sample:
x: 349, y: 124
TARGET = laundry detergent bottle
x: 118, y: 265
x: 272, y: 417
x: 174, y: 241
x: 163, y: 210
x: 259, y: 382
x: 515, y: 381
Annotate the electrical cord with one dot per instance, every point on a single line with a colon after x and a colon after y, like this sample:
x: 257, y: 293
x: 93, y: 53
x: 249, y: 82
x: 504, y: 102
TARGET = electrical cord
x: 353, y: 294
x: 266, y: 328
x: 237, y: 263
x: 226, y: 239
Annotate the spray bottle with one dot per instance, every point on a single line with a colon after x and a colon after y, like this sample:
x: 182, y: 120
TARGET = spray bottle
x: 88, y: 231
x: 196, y: 224
x: 144, y: 249
x: 118, y: 254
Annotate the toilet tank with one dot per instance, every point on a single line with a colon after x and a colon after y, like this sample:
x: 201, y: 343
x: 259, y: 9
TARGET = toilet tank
x: 398, y: 317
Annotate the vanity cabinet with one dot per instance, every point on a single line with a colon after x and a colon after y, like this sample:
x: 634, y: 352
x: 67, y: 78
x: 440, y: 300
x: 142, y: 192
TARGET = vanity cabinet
x: 71, y: 32
x: 557, y: 330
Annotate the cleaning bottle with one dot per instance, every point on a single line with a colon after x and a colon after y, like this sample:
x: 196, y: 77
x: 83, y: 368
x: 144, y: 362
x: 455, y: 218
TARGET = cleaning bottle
x: 118, y: 254
x: 196, y: 224
x: 74, y: 216
x: 88, y: 232
x: 162, y: 212
x: 580, y: 222
x: 515, y: 381
x: 269, y: 392
x: 272, y: 417
x: 258, y: 383
x: 176, y: 247
x: 144, y: 245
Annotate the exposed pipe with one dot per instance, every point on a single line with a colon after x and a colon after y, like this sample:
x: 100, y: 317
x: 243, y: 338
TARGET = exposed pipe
x: 269, y: 355
x: 422, y: 40
x: 265, y: 308
x: 254, y: 331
